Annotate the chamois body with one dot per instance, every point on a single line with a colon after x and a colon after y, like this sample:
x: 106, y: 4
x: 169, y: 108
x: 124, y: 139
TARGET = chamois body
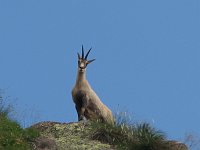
x: 88, y: 104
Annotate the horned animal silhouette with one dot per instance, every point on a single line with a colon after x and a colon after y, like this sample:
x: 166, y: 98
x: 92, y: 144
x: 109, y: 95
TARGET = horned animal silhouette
x: 88, y: 104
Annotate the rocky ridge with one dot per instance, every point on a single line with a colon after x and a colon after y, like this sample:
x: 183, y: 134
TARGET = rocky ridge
x: 74, y: 136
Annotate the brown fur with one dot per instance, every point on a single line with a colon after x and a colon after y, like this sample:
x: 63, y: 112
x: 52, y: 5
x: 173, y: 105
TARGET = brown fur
x: 88, y: 104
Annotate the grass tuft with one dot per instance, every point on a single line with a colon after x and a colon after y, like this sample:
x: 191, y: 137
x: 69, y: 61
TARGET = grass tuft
x: 12, y: 135
x: 128, y: 136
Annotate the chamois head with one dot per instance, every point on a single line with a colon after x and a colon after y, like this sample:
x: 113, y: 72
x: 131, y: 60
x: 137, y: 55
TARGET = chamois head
x: 82, y: 60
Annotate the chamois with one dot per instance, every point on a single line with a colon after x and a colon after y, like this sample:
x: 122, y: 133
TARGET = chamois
x: 88, y: 104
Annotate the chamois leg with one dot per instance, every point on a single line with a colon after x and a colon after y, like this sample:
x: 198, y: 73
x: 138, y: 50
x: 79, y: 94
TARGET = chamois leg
x: 81, y: 106
x: 82, y: 116
x: 80, y: 112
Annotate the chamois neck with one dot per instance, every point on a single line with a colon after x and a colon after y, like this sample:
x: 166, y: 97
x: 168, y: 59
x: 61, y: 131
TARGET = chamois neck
x: 81, y: 77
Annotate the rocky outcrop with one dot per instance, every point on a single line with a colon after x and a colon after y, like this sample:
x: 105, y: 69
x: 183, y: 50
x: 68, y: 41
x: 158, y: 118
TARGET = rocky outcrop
x: 62, y: 136
x: 75, y: 136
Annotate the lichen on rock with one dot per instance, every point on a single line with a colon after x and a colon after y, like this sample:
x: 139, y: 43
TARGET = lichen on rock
x: 72, y: 136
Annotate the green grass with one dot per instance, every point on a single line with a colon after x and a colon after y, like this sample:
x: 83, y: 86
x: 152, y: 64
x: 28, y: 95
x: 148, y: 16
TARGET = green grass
x: 12, y: 135
x: 128, y: 136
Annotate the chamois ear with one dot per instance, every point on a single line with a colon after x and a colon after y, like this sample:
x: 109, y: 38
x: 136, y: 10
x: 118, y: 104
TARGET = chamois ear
x: 89, y: 61
x: 79, y: 57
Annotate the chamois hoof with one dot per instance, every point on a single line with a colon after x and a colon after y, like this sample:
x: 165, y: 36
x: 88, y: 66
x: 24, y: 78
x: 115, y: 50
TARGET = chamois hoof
x: 82, y: 118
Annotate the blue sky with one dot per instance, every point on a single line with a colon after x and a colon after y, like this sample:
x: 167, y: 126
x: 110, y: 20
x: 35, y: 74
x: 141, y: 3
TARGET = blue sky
x: 147, y: 58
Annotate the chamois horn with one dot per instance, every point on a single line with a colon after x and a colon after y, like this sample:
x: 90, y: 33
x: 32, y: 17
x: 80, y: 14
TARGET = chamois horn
x: 82, y: 52
x: 87, y: 53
